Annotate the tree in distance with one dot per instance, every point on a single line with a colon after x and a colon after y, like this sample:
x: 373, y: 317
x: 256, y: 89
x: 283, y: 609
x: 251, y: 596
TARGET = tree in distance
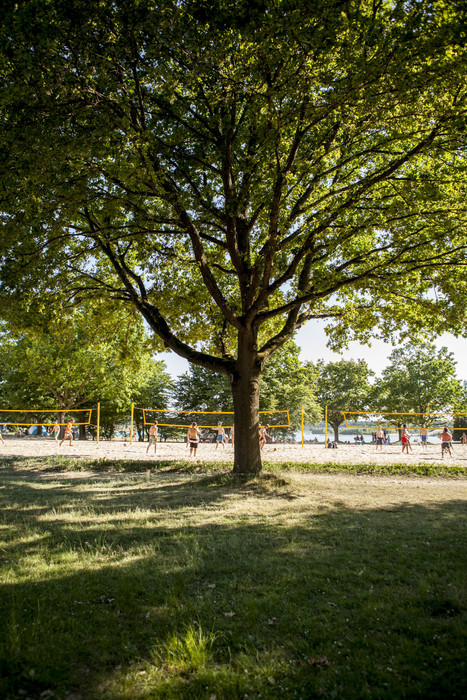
x: 344, y: 386
x: 234, y: 170
x: 78, y: 359
x: 419, y: 379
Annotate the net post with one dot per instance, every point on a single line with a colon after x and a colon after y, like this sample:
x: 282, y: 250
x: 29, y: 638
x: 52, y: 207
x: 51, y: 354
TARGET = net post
x: 98, y: 421
x: 131, y: 422
x: 325, y: 426
x: 302, y: 425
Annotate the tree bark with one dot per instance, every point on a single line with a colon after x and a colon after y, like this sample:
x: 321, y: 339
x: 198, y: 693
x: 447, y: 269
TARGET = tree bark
x: 60, y: 419
x: 245, y: 392
x: 335, y: 427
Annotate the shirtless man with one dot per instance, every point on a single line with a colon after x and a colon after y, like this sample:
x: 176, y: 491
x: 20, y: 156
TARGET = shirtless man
x: 220, y: 435
x: 379, y: 437
x: 152, y: 437
x: 446, y: 439
x: 1, y: 439
x: 192, y: 437
x: 424, y: 435
x: 263, y: 434
x: 68, y: 432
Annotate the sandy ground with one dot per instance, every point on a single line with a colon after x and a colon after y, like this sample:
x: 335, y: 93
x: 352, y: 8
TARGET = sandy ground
x: 350, y: 454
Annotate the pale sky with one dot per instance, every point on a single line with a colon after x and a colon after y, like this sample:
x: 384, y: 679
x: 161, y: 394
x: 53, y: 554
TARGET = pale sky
x: 312, y: 341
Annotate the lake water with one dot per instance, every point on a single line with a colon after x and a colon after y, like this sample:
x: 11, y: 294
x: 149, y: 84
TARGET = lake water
x: 394, y: 437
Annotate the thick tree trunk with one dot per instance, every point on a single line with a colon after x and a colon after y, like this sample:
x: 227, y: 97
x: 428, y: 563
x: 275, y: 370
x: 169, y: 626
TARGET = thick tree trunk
x: 245, y: 392
x: 82, y: 432
x: 60, y: 419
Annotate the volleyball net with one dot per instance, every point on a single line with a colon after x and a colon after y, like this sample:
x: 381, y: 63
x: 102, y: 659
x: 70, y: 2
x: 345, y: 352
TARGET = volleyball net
x: 370, y: 420
x: 206, y: 420
x: 48, y: 417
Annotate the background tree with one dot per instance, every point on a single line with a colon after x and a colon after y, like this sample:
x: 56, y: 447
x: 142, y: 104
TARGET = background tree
x: 460, y: 421
x: 73, y: 361
x: 343, y: 386
x: 234, y: 170
x: 419, y: 379
x: 146, y: 383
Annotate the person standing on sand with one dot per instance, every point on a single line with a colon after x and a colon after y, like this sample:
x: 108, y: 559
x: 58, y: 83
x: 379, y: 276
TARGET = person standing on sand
x: 220, y: 435
x: 405, y: 439
x: 263, y: 434
x: 424, y: 435
x: 153, y: 437
x: 68, y: 432
x: 192, y: 437
x: 379, y: 437
x: 1, y: 438
x: 446, y: 439
x: 56, y: 430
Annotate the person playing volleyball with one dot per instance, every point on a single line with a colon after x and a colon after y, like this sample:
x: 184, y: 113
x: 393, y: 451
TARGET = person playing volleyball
x: 263, y: 434
x: 405, y: 439
x: 68, y: 432
x: 192, y: 437
x: 379, y: 435
x: 424, y: 435
x: 153, y: 437
x: 56, y: 430
x: 220, y: 435
x: 446, y: 439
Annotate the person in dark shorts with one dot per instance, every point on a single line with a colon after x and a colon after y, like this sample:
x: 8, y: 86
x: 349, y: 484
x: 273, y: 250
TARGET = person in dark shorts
x: 424, y: 435
x: 192, y: 437
x: 446, y: 439
x: 379, y: 437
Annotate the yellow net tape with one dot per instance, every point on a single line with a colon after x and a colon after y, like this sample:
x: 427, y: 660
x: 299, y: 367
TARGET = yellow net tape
x: 194, y: 416
x: 40, y: 412
x: 377, y: 417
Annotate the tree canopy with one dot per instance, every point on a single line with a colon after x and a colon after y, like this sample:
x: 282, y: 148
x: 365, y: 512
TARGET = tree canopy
x: 75, y: 360
x: 419, y: 379
x: 234, y: 169
x: 286, y: 385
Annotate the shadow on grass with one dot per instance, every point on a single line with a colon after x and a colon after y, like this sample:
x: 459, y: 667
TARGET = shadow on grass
x: 332, y: 602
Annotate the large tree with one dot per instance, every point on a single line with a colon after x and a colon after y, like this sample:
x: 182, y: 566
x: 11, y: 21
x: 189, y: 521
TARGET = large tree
x: 234, y: 169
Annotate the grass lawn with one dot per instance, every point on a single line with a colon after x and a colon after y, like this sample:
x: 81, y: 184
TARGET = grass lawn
x: 182, y: 585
